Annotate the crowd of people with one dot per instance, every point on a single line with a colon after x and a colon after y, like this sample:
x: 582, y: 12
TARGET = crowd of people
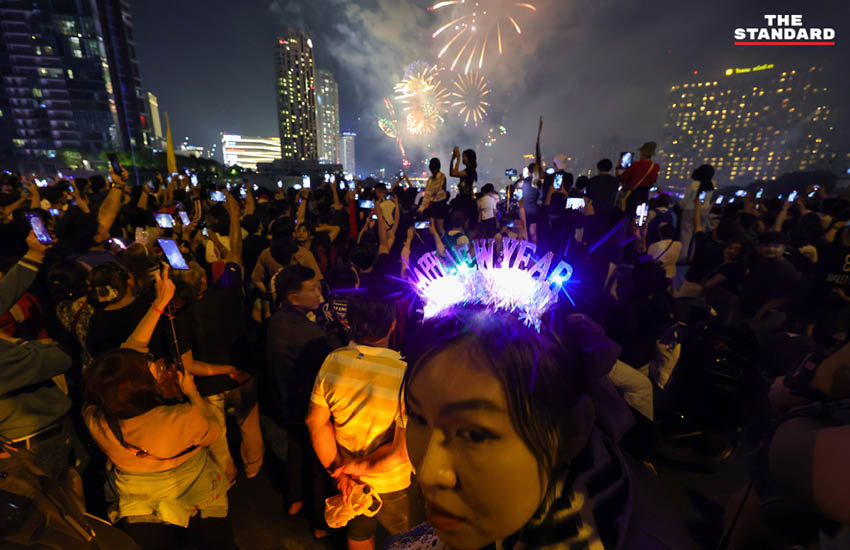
x: 139, y: 322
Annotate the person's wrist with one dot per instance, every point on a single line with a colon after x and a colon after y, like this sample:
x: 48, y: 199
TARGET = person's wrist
x: 35, y: 255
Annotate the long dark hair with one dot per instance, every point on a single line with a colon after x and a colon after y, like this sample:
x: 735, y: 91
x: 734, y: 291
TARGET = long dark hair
x: 471, y: 164
x: 542, y: 379
x: 703, y: 175
x: 118, y: 386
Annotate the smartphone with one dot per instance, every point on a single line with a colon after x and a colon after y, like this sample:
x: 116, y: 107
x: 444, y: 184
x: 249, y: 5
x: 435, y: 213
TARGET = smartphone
x: 168, y: 179
x: 511, y: 224
x: 327, y: 177
x: 150, y: 184
x: 113, y: 162
x: 243, y: 193
x: 511, y: 172
x: 525, y: 173
x: 41, y: 183
x: 741, y: 193
x: 626, y: 159
x: 256, y: 187
x: 227, y: 186
x: 518, y: 194
x: 576, y: 203
x: 54, y: 212
x: 351, y: 185
x: 280, y: 184
x: 760, y: 193
x: 217, y: 196
x: 422, y: 225
x: 61, y: 177
x: 719, y: 200
x: 38, y: 228
x: 559, y: 180
x: 165, y: 221
x: 305, y: 182
x: 194, y: 180
x: 342, y: 186
x: 184, y: 217
x: 375, y: 217
x: 205, y: 232
x: 173, y: 255
x: 367, y: 205
x: 702, y: 197
x: 792, y: 196
x: 815, y: 189
x: 641, y: 214
x: 550, y: 171
x: 119, y: 243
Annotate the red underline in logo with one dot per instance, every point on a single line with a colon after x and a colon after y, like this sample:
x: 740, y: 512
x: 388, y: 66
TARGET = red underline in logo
x: 781, y: 43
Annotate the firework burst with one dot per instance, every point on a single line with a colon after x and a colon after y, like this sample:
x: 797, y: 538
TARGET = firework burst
x: 425, y: 101
x: 474, y: 25
x: 470, y: 97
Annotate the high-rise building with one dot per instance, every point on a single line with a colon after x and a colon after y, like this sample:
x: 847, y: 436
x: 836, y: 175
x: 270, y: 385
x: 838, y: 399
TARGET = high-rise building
x: 327, y: 116
x: 157, y: 139
x: 56, y: 88
x: 296, y: 96
x: 750, y: 123
x: 246, y: 152
x: 346, y: 152
x: 120, y: 47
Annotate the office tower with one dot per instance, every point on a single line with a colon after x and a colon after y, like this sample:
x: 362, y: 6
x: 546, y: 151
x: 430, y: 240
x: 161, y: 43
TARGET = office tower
x: 120, y: 46
x: 296, y: 96
x: 327, y: 116
x: 750, y: 123
x: 346, y: 152
x: 156, y: 139
x: 56, y: 90
x: 246, y: 151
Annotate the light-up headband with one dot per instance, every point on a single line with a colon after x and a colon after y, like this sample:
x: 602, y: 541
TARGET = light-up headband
x: 515, y: 282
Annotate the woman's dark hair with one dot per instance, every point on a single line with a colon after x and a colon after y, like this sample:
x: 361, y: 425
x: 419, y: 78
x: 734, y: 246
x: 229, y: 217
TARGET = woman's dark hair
x: 141, y: 265
x: 488, y: 188
x: 77, y: 230
x: 222, y: 220
x: 434, y: 166
x: 666, y: 231
x: 363, y: 256
x: 604, y: 165
x: 107, y: 278
x: 67, y: 279
x: 290, y: 279
x: 543, y: 381
x: 118, y: 386
x: 662, y: 201
x: 251, y: 223
x: 703, y: 175
x: 471, y: 163
x: 581, y: 182
x: 341, y: 277
x: 370, y: 317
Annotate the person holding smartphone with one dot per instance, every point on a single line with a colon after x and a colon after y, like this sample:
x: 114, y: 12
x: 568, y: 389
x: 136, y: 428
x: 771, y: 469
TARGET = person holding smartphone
x: 699, y: 195
x: 435, y: 201
x: 487, y: 205
x: 638, y: 179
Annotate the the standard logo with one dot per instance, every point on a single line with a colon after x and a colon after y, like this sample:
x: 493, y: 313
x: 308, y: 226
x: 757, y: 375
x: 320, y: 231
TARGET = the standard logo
x: 784, y: 30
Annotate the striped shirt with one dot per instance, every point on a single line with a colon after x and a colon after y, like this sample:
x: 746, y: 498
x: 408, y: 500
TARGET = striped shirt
x: 360, y: 385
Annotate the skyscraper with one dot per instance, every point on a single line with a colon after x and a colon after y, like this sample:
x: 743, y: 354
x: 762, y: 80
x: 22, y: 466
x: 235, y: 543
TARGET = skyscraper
x: 751, y: 123
x: 296, y: 96
x: 157, y: 138
x: 117, y: 27
x: 346, y: 152
x: 327, y: 116
x: 56, y: 90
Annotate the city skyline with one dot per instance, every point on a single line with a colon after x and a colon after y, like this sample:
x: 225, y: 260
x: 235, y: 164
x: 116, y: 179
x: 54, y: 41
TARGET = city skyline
x: 593, y: 71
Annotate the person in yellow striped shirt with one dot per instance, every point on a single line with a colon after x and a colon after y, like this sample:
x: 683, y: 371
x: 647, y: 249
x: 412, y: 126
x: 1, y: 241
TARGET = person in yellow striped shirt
x: 356, y: 424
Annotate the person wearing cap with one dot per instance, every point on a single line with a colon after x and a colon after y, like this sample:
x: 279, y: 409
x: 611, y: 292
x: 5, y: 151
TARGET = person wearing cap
x: 639, y: 178
x: 773, y: 282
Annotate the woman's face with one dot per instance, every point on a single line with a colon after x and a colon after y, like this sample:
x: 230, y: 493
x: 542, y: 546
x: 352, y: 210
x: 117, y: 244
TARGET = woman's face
x: 464, y: 159
x: 481, y: 482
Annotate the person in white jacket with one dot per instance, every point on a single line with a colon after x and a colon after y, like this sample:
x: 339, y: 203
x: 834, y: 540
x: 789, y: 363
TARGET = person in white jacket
x: 702, y: 183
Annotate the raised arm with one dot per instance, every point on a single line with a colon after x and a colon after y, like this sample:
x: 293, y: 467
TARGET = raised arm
x: 537, y: 156
x: 112, y: 203
x: 250, y: 204
x: 141, y: 336
x: 454, y: 164
x: 235, y: 253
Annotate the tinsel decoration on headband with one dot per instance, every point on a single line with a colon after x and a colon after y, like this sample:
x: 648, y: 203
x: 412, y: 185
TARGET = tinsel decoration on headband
x: 515, y: 282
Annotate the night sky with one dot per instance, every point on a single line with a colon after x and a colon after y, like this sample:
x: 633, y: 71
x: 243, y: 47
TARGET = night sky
x: 594, y: 69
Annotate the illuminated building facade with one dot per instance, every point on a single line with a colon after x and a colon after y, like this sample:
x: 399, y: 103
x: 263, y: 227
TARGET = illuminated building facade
x: 327, y: 116
x: 346, y: 152
x: 296, y: 96
x: 246, y: 151
x: 156, y: 140
x: 750, y: 123
x: 56, y: 91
